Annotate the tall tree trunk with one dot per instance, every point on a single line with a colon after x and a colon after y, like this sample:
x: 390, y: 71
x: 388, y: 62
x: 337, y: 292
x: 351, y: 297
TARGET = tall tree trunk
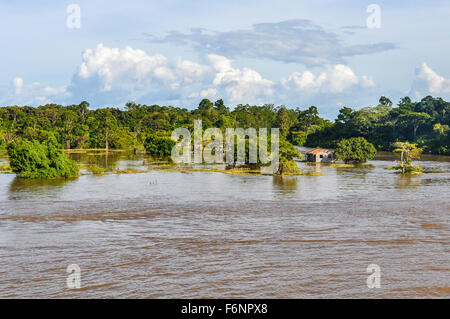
x: 106, y: 137
x: 403, y: 164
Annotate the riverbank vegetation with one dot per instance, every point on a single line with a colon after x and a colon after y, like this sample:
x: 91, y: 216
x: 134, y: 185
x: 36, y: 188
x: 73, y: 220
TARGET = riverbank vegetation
x: 148, y: 128
x: 425, y: 123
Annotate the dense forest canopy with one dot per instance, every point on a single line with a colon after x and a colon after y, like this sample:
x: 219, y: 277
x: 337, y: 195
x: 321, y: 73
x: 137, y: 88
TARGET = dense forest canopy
x: 425, y: 122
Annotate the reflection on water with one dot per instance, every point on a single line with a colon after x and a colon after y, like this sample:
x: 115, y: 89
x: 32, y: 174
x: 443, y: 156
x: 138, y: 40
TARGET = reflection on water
x: 285, y: 184
x: 108, y: 160
x: 173, y: 234
x: 408, y: 181
x: 35, y: 186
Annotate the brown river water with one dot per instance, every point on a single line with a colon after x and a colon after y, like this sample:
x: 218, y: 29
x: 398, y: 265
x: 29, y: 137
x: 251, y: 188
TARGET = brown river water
x: 212, y: 235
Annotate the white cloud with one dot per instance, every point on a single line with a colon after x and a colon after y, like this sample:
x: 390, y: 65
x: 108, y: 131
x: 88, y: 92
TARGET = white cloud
x: 18, y: 84
x: 337, y: 79
x: 367, y: 81
x: 36, y: 93
x: 188, y: 71
x: 241, y: 86
x: 112, y: 76
x: 434, y: 82
x: 112, y: 66
x: 211, y: 93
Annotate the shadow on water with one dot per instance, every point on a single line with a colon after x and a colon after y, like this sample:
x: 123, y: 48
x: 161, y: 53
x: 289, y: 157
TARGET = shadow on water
x: 285, y: 184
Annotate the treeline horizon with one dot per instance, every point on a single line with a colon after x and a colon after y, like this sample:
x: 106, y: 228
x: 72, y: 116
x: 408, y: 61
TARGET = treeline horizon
x: 425, y: 123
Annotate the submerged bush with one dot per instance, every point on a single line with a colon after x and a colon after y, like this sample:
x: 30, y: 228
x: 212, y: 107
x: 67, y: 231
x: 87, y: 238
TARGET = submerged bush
x: 355, y: 149
x: 288, y: 153
x: 159, y: 145
x: 406, y: 170
x: 96, y: 169
x: 32, y: 159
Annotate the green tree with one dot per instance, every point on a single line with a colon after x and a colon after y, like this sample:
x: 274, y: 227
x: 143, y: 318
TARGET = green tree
x: 283, y: 121
x: 385, y: 101
x: 32, y: 159
x: 355, y: 149
x: 408, y: 152
x: 106, y: 123
x: 158, y: 145
x: 287, y: 154
x: 415, y: 120
x: 205, y: 105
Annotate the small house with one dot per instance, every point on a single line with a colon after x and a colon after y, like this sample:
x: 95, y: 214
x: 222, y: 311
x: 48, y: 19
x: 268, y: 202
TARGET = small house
x: 319, y: 155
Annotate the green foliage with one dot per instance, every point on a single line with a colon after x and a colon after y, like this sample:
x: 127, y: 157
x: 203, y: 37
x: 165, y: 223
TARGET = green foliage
x: 298, y: 137
x: 408, y: 152
x: 355, y: 149
x: 407, y: 170
x: 287, y: 164
x: 384, y: 124
x: 31, y: 159
x: 158, y: 145
x: 96, y: 169
x: 424, y: 123
x: 288, y: 167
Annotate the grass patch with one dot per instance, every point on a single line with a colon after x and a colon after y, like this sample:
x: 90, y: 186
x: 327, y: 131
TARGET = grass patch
x: 5, y: 168
x: 435, y: 173
x: 312, y: 173
x: 129, y: 171
x: 342, y: 165
x: 85, y: 150
x: 411, y: 170
x: 96, y: 170
x: 232, y: 171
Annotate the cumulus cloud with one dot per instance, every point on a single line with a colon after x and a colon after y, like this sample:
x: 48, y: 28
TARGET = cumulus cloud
x: 336, y: 79
x: 429, y: 82
x: 18, y: 84
x: 434, y: 83
x: 112, y: 76
x: 299, y: 41
x: 35, y: 93
x: 188, y: 71
x: 111, y: 65
x: 240, y: 85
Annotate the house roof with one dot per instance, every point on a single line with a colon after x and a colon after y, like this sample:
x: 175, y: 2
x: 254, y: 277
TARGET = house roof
x: 317, y: 151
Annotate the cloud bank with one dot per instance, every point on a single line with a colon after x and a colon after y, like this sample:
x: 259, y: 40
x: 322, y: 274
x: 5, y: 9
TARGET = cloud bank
x: 109, y: 76
x: 298, y: 41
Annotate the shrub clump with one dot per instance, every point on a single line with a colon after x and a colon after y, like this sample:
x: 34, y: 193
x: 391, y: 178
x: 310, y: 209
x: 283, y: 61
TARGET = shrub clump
x: 32, y: 159
x: 288, y: 166
x: 158, y: 145
x: 96, y: 170
x: 355, y: 149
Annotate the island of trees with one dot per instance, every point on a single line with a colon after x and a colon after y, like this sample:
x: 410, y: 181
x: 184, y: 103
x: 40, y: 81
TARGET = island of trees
x: 140, y: 127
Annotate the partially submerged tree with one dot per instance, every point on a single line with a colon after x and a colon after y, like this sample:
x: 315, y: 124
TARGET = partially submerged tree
x: 159, y: 145
x: 408, y: 152
x: 355, y: 149
x: 32, y: 159
x: 287, y: 165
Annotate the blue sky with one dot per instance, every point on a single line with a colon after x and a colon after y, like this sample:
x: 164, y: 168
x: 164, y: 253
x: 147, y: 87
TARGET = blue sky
x: 296, y: 53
